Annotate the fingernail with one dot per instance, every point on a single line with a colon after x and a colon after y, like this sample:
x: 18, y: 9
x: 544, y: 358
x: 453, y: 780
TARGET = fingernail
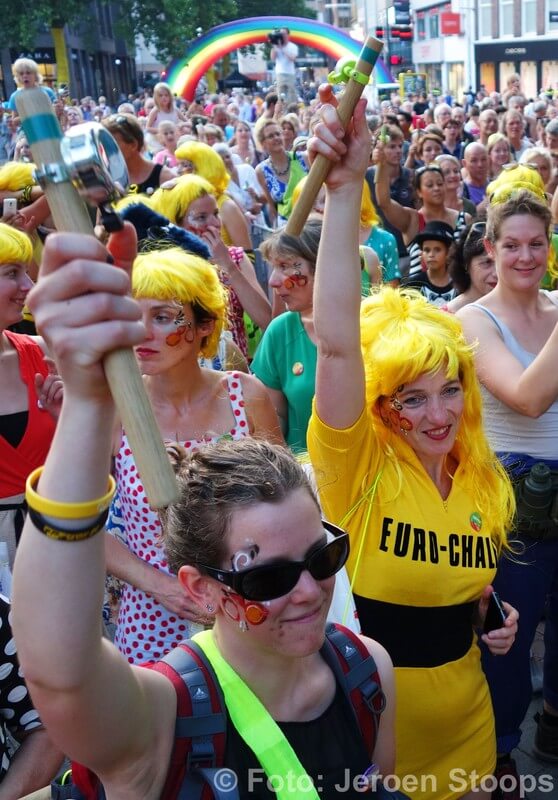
x: 110, y: 259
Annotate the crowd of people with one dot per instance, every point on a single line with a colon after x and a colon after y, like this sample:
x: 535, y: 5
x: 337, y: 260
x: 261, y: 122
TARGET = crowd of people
x: 386, y: 378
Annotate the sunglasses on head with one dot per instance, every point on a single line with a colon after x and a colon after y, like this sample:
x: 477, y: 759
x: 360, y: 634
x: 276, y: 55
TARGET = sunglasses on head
x: 270, y: 581
x: 427, y: 168
x: 477, y: 230
x: 516, y: 165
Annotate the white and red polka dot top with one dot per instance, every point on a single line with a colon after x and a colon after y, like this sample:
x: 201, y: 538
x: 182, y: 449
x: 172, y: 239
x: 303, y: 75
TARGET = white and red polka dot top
x: 146, y: 630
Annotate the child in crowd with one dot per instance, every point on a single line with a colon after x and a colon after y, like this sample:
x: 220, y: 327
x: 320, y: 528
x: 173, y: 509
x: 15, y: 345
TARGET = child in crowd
x: 167, y: 136
x: 434, y: 282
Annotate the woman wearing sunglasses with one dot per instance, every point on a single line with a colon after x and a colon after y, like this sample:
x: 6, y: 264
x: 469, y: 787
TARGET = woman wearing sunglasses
x: 400, y: 457
x: 145, y: 176
x: 515, y: 331
x: 248, y: 544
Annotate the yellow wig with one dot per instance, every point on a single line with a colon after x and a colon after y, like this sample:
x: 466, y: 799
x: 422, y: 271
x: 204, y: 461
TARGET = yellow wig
x: 512, y: 180
x: 174, y: 203
x: 15, y: 246
x: 368, y: 214
x: 403, y: 337
x: 16, y: 175
x: 207, y: 163
x: 175, y: 275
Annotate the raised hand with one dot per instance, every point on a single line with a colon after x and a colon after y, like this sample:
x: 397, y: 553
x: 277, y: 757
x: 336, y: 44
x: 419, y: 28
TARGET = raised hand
x: 349, y: 151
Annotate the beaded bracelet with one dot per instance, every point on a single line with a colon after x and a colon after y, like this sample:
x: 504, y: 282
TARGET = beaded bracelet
x: 76, y: 535
x: 58, y: 510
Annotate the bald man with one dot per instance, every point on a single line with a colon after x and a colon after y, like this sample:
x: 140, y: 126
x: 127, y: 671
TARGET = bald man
x: 475, y: 161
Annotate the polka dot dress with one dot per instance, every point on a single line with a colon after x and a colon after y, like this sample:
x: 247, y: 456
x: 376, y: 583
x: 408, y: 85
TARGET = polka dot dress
x: 16, y: 709
x: 146, y: 630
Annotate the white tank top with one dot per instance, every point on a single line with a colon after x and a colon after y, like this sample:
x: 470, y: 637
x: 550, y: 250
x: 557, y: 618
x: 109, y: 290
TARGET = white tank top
x: 507, y: 430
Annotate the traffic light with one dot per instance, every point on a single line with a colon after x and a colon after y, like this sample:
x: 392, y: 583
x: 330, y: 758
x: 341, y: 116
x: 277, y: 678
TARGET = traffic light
x: 402, y: 12
x: 395, y: 60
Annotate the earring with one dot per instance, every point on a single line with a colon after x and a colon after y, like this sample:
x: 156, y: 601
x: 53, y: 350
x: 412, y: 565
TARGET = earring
x: 210, y: 609
x: 243, y: 626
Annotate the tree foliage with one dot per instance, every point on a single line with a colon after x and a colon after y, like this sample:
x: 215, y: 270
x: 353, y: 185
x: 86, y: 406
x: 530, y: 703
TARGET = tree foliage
x: 21, y: 22
x: 168, y: 25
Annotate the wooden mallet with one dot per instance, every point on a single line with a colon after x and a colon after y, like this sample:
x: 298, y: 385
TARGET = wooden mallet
x: 357, y: 75
x: 69, y: 212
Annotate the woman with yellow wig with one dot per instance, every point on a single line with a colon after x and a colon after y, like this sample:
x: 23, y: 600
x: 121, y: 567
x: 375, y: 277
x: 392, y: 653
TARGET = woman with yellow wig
x: 184, y: 309
x: 26, y: 425
x: 208, y: 164
x: 400, y: 457
x: 191, y: 203
x: 515, y: 327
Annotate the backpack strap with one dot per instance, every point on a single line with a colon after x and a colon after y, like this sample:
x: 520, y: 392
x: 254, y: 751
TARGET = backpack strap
x: 201, y: 721
x: 356, y: 672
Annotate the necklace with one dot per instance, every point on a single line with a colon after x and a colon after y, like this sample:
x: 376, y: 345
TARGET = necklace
x: 279, y: 173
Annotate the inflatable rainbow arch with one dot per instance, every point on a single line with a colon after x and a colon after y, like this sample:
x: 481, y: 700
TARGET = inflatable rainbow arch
x: 184, y: 74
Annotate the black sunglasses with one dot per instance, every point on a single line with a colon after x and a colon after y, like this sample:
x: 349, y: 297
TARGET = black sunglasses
x: 269, y: 581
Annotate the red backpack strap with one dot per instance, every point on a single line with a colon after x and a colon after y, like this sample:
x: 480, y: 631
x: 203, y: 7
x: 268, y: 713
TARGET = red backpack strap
x: 201, y: 723
x: 356, y: 671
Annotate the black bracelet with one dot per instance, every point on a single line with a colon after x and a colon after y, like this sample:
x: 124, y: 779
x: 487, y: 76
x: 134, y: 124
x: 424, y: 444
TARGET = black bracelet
x: 76, y: 535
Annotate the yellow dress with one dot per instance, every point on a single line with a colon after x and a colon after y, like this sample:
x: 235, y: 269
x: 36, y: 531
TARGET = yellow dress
x: 423, y: 565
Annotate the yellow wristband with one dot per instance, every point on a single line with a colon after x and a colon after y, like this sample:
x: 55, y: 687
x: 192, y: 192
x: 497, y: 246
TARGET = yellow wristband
x: 52, y: 508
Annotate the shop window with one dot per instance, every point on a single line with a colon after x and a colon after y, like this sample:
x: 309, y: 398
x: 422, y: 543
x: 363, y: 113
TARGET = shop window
x: 506, y: 17
x: 485, y: 19
x: 528, y: 17
x: 433, y: 23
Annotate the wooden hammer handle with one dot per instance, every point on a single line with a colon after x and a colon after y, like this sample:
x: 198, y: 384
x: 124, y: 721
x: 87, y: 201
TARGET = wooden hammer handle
x: 321, y: 165
x: 70, y: 214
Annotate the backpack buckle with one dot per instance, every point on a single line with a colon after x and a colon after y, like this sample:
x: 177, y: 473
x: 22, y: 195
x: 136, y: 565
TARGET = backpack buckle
x: 202, y: 754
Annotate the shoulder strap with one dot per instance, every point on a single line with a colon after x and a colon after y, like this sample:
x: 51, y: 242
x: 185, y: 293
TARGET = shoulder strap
x: 201, y: 721
x: 356, y: 671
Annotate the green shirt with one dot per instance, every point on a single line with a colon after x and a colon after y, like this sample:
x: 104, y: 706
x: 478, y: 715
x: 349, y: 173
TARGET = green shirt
x: 286, y: 360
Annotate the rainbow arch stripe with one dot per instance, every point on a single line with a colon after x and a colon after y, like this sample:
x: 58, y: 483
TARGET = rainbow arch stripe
x: 184, y: 74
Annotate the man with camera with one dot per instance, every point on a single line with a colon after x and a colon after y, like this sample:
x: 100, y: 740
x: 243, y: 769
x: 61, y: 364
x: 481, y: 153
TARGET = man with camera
x: 284, y: 54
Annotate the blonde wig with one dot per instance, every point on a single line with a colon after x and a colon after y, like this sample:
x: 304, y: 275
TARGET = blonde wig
x: 16, y: 175
x: 403, y: 337
x: 207, y: 163
x: 15, y: 246
x: 174, y: 203
x: 177, y: 276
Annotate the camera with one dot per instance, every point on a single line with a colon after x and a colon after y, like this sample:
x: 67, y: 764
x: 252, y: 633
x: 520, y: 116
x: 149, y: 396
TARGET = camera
x: 276, y: 37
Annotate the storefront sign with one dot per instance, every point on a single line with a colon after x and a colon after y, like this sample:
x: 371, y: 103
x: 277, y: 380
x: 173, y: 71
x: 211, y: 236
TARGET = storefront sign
x: 42, y: 55
x: 450, y: 23
x: 533, y: 50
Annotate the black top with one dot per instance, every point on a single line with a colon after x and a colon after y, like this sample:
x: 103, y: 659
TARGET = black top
x: 437, y: 295
x: 330, y: 748
x: 151, y: 182
x: 13, y: 426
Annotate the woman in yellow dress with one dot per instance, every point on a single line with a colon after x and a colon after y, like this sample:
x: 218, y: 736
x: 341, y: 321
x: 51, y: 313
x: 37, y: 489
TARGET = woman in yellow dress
x: 401, y: 461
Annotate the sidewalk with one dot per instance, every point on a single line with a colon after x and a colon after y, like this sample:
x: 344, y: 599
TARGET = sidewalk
x: 545, y: 774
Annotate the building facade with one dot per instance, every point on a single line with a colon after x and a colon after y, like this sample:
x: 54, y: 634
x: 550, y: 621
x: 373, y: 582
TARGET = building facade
x: 99, y: 62
x: 517, y: 36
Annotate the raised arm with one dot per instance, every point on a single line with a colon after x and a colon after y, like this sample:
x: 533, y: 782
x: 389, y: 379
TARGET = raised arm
x: 401, y: 217
x: 529, y: 391
x: 96, y: 707
x: 340, y: 371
